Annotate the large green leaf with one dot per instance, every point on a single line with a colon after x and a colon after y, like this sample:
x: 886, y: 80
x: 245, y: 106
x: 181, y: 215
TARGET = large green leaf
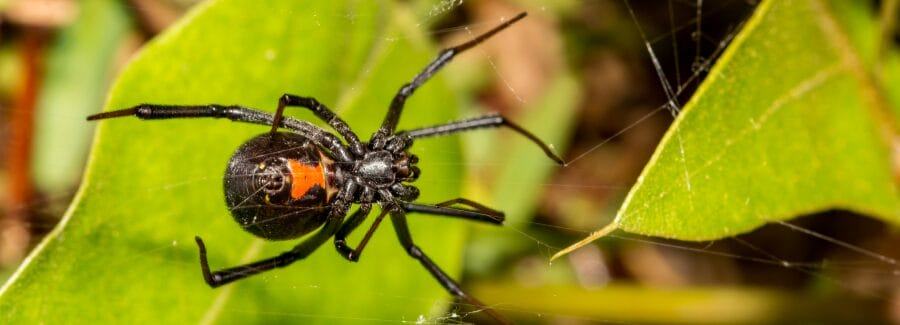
x: 788, y: 122
x: 124, y: 251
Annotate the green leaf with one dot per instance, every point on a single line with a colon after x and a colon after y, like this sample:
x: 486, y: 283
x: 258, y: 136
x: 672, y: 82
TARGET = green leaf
x: 79, y: 69
x: 788, y: 122
x: 125, y: 252
x: 891, y: 75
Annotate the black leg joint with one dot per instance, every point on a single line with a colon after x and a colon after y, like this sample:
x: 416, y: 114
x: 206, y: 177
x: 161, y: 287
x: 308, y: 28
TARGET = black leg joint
x: 405, y: 192
x: 398, y: 143
x: 379, y: 139
x: 414, y: 251
x: 345, y: 250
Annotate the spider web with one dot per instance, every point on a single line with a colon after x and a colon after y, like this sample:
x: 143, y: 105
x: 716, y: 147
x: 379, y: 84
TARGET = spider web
x: 677, y: 76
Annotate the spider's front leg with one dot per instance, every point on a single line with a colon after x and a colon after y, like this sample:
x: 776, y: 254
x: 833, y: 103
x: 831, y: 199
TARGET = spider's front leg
x: 492, y: 120
x: 389, y: 125
x: 323, y: 113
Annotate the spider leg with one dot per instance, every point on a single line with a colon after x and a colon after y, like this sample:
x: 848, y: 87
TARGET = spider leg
x: 481, y: 213
x: 221, y: 277
x: 493, y: 120
x: 393, y: 115
x: 398, y: 218
x: 236, y: 114
x: 301, y: 251
x: 353, y: 254
x: 340, y: 238
x: 478, y: 206
x: 323, y: 113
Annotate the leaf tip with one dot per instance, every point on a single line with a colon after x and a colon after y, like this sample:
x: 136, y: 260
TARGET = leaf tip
x: 587, y: 240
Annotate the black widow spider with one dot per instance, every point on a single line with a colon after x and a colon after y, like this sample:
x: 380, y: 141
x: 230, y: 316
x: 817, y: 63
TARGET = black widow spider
x: 282, y: 185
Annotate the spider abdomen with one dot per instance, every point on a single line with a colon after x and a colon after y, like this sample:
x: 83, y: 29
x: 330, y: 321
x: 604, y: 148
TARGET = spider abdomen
x: 276, y: 186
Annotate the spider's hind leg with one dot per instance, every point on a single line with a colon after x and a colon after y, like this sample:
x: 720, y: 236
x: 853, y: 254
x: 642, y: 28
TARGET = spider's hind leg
x: 225, y: 276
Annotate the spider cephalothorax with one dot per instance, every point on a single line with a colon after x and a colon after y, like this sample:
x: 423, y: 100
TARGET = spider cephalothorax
x: 282, y: 185
x: 382, y: 169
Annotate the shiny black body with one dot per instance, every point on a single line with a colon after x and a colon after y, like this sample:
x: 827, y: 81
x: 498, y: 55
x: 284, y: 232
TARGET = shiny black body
x: 258, y: 187
x: 261, y: 185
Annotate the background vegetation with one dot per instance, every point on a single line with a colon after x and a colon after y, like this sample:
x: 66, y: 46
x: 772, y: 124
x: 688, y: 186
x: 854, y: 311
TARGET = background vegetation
x: 796, y: 120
